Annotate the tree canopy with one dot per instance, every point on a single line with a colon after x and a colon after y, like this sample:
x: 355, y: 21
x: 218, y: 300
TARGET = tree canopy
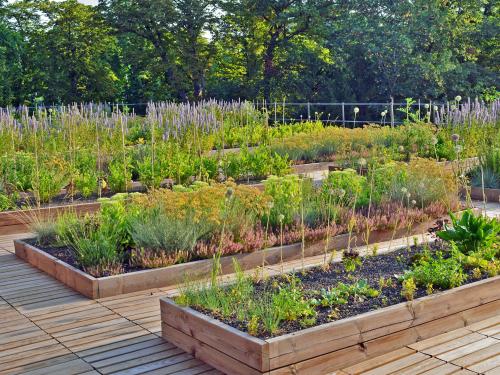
x: 301, y: 50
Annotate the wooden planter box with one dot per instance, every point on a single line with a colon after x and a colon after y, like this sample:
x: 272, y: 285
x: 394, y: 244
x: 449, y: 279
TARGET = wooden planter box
x: 12, y: 222
x: 167, y: 276
x: 332, y: 346
x: 490, y: 195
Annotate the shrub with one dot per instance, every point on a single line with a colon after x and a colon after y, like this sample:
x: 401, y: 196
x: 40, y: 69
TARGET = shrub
x: 347, y: 186
x: 286, y: 195
x: 166, y: 236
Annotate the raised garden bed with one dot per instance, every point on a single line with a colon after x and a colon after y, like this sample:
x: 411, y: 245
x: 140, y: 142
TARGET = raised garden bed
x: 93, y: 287
x: 12, y: 222
x: 489, y: 195
x: 330, y: 346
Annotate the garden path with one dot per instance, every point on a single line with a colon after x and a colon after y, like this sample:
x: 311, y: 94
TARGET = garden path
x: 47, y: 328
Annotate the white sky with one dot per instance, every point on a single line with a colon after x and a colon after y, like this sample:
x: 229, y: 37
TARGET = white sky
x: 88, y: 2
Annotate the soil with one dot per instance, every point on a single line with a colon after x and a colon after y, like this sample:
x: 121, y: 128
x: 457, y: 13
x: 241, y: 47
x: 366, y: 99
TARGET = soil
x: 372, y: 269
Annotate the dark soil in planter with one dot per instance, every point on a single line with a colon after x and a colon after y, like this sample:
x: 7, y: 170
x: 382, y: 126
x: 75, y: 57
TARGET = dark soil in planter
x: 372, y: 269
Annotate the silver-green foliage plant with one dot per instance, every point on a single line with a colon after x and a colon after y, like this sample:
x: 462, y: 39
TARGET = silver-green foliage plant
x: 156, y: 231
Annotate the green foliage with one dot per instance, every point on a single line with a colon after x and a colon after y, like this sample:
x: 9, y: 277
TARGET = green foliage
x: 286, y: 195
x: 471, y: 232
x: 347, y: 186
x: 340, y: 294
x: 153, y: 230
x: 17, y: 170
x: 119, y: 174
x: 48, y: 181
x: 87, y: 178
x: 438, y: 271
x: 95, y: 245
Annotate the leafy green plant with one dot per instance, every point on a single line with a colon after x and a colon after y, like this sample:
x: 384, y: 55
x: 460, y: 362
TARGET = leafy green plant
x: 438, y: 271
x: 119, y: 174
x: 286, y: 195
x: 471, y: 232
x: 349, y: 187
x: 49, y: 181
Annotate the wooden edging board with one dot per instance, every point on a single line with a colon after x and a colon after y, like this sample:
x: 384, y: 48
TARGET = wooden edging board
x: 167, y: 276
x: 12, y: 222
x: 490, y: 195
x: 331, y: 346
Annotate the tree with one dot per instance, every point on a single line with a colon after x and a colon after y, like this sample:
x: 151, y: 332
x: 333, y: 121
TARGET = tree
x: 77, y: 48
x: 277, y: 23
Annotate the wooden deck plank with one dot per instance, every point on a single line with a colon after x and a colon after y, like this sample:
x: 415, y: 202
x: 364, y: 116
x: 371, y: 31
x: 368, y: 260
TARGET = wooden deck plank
x: 478, y: 356
x: 466, y: 349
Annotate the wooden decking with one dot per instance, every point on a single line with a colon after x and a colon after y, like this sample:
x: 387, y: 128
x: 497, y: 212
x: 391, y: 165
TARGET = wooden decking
x: 46, y: 328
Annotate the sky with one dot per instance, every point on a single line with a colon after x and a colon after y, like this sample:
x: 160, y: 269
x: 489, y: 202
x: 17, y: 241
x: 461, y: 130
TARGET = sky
x: 88, y: 2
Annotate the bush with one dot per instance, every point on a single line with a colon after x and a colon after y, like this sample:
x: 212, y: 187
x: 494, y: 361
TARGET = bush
x: 154, y: 230
x: 347, y: 187
x: 286, y: 196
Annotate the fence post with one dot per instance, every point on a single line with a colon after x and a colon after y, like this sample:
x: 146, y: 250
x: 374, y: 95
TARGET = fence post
x: 419, y: 110
x: 283, y: 111
x: 470, y: 112
x: 275, y: 104
x: 343, y: 114
x: 430, y: 111
x: 308, y: 111
x: 392, y: 112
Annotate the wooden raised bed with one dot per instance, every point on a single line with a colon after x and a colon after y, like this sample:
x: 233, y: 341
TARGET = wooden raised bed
x: 332, y: 346
x: 161, y: 277
x: 12, y: 222
x: 490, y: 195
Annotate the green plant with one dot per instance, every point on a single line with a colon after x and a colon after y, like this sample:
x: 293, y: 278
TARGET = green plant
x: 340, y: 294
x: 155, y: 231
x: 95, y: 248
x: 409, y: 289
x: 437, y: 270
x: 49, y: 181
x: 471, y: 232
x: 348, y: 187
x: 286, y: 196
x: 45, y: 232
x: 119, y: 174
